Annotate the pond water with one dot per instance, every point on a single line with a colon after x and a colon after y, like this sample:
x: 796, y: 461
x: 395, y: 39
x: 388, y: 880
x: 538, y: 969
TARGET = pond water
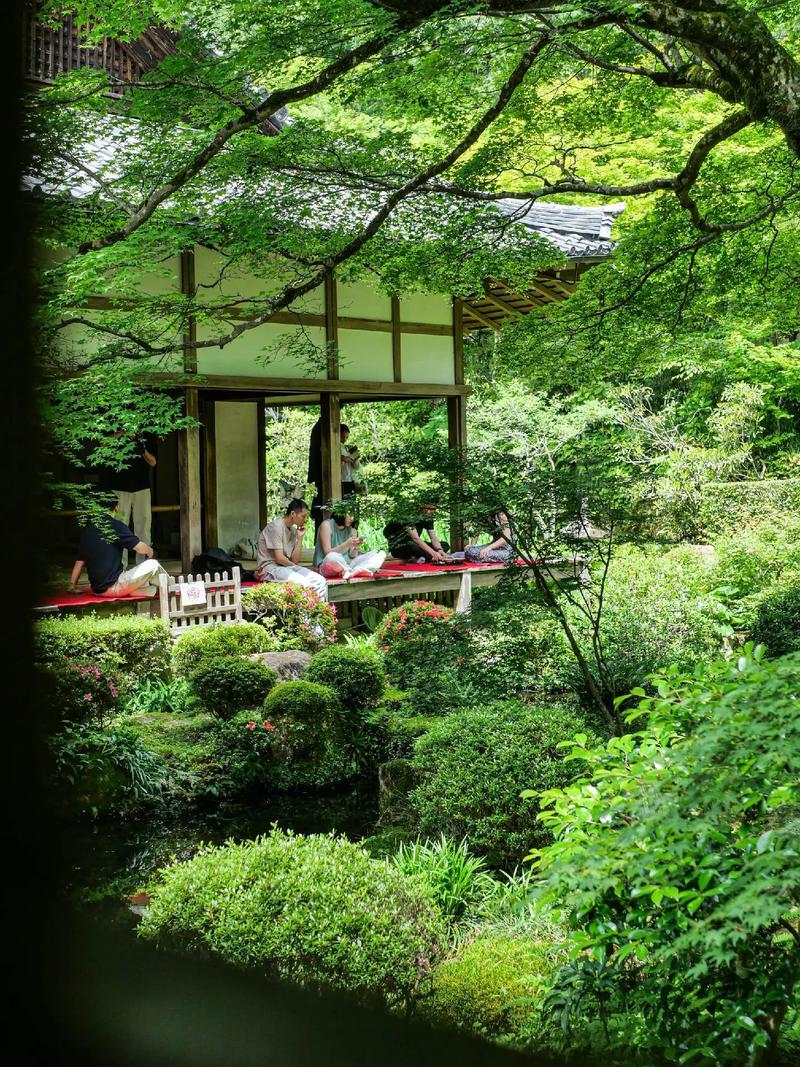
x: 107, y: 861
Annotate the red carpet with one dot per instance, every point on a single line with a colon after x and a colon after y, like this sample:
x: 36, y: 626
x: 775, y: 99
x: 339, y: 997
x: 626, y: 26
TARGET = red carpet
x: 82, y: 600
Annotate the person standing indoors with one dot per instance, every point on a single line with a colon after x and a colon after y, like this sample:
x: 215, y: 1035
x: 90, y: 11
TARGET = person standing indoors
x: 352, y: 476
x: 279, y: 548
x: 337, y: 552
x: 132, y: 487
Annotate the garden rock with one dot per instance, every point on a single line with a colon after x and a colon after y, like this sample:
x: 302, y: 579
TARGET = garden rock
x: 289, y: 665
x: 396, y: 780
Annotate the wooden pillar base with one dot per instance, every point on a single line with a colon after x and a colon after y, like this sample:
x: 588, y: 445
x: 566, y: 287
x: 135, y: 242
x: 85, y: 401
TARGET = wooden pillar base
x: 189, y: 485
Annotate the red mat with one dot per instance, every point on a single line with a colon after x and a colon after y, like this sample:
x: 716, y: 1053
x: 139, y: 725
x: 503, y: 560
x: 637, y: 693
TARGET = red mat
x: 82, y: 600
x: 432, y: 568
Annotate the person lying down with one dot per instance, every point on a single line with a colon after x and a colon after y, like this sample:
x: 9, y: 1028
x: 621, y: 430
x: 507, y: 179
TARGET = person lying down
x: 337, y: 551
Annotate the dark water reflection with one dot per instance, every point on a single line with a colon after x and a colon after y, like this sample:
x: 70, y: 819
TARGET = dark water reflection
x: 107, y: 861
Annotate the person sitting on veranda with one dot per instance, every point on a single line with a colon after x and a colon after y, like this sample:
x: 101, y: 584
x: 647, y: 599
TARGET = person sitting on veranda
x: 337, y: 551
x: 406, y: 539
x: 500, y: 550
x: 101, y: 547
x: 279, y: 547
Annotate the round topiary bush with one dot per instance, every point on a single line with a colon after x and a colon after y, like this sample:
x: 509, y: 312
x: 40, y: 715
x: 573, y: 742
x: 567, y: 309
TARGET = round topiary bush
x: 777, y: 624
x: 203, y: 643
x: 315, y: 752
x: 225, y: 686
x: 355, y: 674
x: 315, y: 910
x: 474, y: 764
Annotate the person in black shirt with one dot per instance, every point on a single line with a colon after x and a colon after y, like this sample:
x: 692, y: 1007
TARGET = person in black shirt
x: 100, y: 550
x: 406, y: 540
x: 132, y: 486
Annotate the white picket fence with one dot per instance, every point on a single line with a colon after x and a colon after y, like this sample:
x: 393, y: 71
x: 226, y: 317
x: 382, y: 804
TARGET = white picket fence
x: 218, y: 601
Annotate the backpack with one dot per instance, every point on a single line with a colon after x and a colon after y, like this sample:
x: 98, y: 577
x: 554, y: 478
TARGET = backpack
x: 217, y: 559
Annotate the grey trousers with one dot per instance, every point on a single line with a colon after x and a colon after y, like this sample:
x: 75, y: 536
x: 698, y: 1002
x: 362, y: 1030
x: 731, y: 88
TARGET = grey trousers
x: 136, y: 509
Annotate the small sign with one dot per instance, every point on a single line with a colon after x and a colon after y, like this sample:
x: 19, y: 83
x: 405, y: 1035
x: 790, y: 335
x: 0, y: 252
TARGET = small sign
x: 193, y: 594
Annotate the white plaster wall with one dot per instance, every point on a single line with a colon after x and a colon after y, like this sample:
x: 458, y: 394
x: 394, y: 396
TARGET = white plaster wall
x: 427, y: 359
x: 426, y: 307
x: 237, y: 471
x: 365, y: 356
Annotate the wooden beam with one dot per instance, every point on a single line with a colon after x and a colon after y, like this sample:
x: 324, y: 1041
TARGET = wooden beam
x: 458, y: 341
x: 567, y: 288
x: 210, y: 517
x: 309, y: 386
x: 501, y: 303
x: 483, y: 319
x: 188, y: 286
x: 332, y: 325
x: 537, y: 289
x: 457, y: 439
x: 397, y: 355
x: 330, y: 414
x: 189, y: 484
x: 261, y: 422
x: 290, y: 318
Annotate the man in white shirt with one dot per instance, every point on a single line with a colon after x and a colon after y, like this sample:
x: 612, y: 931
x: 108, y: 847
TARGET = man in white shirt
x: 279, y: 547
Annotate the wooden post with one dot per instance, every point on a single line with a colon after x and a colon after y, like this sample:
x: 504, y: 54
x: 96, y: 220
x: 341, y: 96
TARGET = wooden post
x: 261, y: 446
x: 189, y: 484
x: 397, y: 341
x: 210, y: 524
x: 188, y: 286
x: 458, y: 341
x: 331, y: 447
x: 332, y: 325
x: 456, y: 439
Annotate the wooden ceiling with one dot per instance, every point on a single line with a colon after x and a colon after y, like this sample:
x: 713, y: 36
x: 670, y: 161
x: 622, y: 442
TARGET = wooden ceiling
x: 498, y: 302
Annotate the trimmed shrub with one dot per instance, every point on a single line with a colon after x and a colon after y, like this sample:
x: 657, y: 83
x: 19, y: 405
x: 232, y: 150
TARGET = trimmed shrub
x: 296, y: 616
x: 80, y: 692
x: 219, y: 642
x: 308, y: 749
x: 475, y: 763
x: 777, y: 624
x: 138, y: 648
x: 225, y: 686
x: 728, y: 507
x: 314, y: 910
x: 425, y: 646
x: 355, y: 674
x: 491, y: 987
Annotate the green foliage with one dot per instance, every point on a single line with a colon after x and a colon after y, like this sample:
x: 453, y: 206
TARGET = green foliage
x: 460, y: 882
x: 314, y: 751
x: 474, y: 764
x: 80, y: 692
x: 226, y: 686
x: 657, y: 612
x: 138, y: 648
x: 752, y: 560
x: 727, y: 508
x: 491, y: 987
x: 104, y: 770
x: 196, y: 766
x: 777, y: 624
x: 354, y: 674
x: 424, y: 646
x: 313, y: 910
x: 219, y: 641
x: 675, y: 863
x: 156, y: 695
x: 295, y: 615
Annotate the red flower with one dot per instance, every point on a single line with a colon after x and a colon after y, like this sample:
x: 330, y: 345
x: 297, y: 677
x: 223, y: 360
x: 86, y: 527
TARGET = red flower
x: 268, y: 726
x: 251, y: 726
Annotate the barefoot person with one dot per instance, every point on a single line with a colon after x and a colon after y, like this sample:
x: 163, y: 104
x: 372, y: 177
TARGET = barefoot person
x: 337, y: 552
x: 101, y: 548
x: 279, y: 547
x: 406, y: 540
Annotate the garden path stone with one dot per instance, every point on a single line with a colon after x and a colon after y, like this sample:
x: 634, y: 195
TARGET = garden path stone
x: 289, y: 665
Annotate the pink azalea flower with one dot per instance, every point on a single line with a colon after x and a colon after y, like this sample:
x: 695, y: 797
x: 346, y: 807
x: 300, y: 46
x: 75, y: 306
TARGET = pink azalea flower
x: 251, y: 726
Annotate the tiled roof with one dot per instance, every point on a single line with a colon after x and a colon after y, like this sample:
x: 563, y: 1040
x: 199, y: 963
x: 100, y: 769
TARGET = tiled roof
x: 580, y: 232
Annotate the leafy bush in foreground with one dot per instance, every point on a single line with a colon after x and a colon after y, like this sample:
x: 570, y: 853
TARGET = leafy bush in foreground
x: 137, y: 647
x: 676, y: 863
x: 315, y: 910
x: 295, y: 616
x: 354, y: 674
x: 474, y: 764
x: 220, y: 641
x: 226, y: 686
x: 777, y: 624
